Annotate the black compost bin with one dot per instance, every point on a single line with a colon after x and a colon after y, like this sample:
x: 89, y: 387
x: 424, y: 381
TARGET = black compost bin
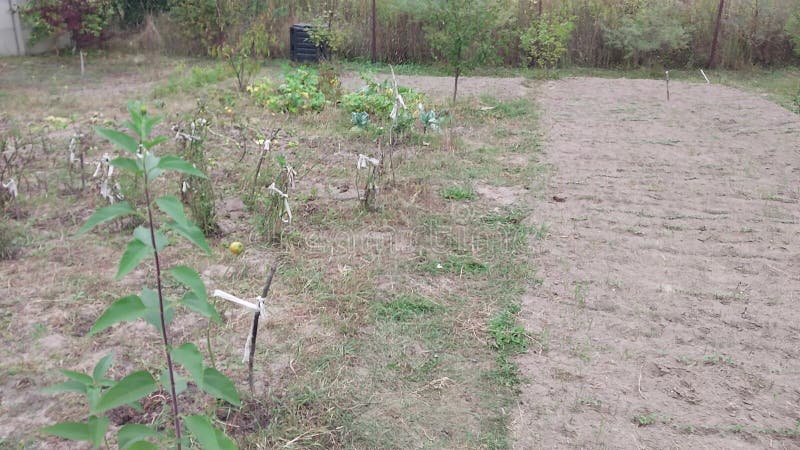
x: 301, y: 47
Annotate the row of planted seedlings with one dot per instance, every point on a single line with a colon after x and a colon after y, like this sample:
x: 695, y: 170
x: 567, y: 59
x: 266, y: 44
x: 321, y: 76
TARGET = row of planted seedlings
x: 57, y: 157
x: 378, y: 113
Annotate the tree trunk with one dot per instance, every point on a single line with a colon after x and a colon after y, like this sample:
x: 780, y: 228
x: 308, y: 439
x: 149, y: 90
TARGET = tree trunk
x: 710, y: 64
x: 374, y: 42
x: 455, y: 86
x: 540, y: 7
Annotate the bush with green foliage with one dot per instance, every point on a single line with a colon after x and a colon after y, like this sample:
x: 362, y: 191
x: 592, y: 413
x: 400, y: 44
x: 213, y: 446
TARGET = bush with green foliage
x: 652, y: 31
x: 546, y: 39
x: 86, y: 21
x: 201, y: 22
x: 135, y: 11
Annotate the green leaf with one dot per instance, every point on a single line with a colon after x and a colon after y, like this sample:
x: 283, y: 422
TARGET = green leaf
x: 181, y: 382
x: 105, y: 214
x: 153, y: 313
x: 192, y: 234
x: 176, y: 164
x: 209, y: 437
x: 93, y: 395
x: 134, y: 127
x: 131, y: 165
x: 191, y: 279
x: 135, y: 109
x: 75, y: 431
x: 127, y: 390
x: 148, y: 122
x: 172, y: 207
x: 134, y: 253
x: 151, y: 162
x: 200, y: 306
x: 67, y: 386
x: 142, y: 445
x: 101, y: 368
x: 119, y: 138
x: 142, y: 233
x: 97, y: 430
x: 190, y: 358
x: 219, y: 386
x: 152, y: 143
x: 124, y: 309
x: 132, y: 433
x: 77, y: 376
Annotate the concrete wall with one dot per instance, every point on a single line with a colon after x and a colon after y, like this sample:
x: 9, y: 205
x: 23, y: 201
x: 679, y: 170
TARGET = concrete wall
x: 11, y: 39
x: 15, y: 34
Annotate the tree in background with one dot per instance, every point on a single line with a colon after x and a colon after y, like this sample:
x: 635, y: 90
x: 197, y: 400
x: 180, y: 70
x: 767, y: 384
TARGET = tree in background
x: 460, y: 32
x: 545, y: 41
x: 133, y: 12
x: 86, y: 21
x: 652, y: 29
x: 203, y: 22
x: 792, y: 29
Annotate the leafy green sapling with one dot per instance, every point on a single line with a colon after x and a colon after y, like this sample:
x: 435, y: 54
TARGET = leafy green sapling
x: 152, y: 305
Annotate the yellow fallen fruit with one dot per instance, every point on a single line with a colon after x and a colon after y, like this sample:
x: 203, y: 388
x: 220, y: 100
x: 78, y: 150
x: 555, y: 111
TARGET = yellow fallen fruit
x: 236, y: 248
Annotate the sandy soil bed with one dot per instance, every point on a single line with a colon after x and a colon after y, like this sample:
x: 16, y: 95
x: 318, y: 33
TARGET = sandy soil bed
x: 668, y: 312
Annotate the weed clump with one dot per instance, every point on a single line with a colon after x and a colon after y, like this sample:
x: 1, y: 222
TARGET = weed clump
x: 10, y: 245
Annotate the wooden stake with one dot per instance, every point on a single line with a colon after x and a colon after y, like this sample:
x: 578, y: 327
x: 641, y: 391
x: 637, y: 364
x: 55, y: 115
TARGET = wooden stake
x: 82, y: 65
x: 254, y: 328
x: 667, y: 72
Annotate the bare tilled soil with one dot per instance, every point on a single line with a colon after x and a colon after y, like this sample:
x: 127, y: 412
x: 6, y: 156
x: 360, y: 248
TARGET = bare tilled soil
x: 667, y: 316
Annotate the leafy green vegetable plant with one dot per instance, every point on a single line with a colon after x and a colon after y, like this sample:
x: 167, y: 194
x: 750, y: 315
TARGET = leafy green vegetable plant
x: 299, y: 93
x: 360, y: 120
x: 377, y: 99
x: 152, y: 305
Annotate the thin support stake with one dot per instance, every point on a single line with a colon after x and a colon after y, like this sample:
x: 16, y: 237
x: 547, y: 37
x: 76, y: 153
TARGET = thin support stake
x: 704, y: 76
x: 667, y: 72
x: 254, y: 328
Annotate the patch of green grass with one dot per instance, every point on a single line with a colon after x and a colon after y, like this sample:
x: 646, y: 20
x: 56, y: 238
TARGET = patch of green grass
x: 507, y: 336
x: 504, y: 110
x: 405, y: 307
x: 509, y: 217
x: 458, y: 193
x: 10, y: 241
x: 457, y: 265
x: 197, y: 78
x: 716, y: 358
x: 506, y: 373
